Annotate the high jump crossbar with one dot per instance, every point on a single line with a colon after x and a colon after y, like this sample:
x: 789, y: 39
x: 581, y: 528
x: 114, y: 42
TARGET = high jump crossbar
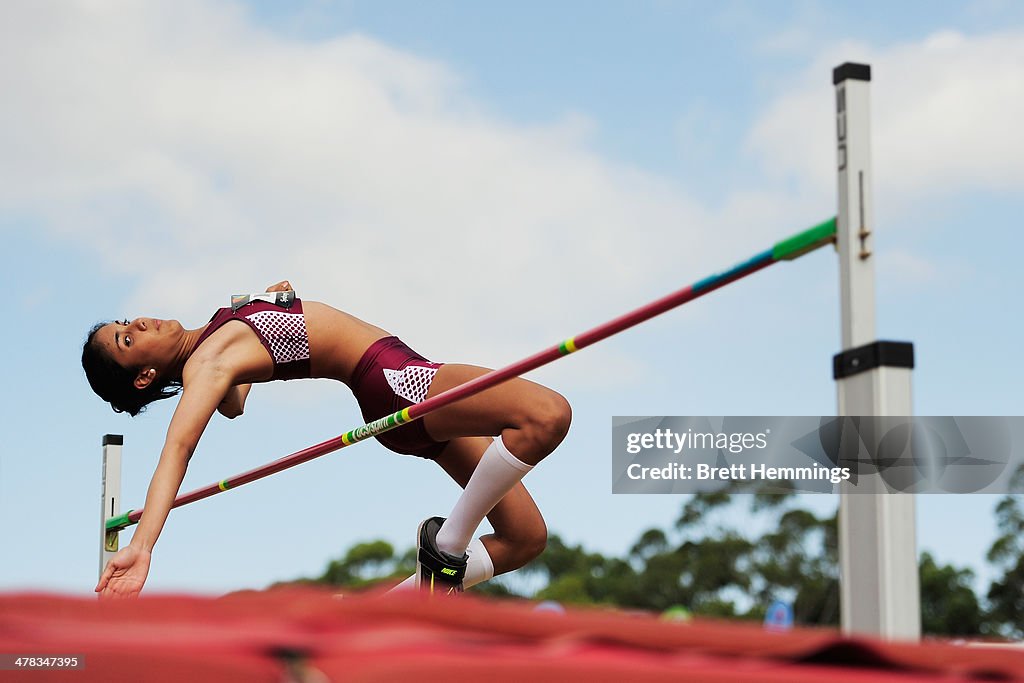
x: 785, y: 250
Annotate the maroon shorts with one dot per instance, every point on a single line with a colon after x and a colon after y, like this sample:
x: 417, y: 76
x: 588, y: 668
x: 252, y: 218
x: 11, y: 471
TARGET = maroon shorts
x: 389, y: 377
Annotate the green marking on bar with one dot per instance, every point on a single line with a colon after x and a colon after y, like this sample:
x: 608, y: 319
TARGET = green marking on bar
x: 373, y: 428
x: 119, y: 522
x: 223, y: 486
x: 808, y: 240
x: 568, y: 346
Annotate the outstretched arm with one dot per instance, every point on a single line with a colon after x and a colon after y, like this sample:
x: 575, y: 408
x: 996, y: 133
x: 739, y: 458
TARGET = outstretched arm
x: 125, y: 574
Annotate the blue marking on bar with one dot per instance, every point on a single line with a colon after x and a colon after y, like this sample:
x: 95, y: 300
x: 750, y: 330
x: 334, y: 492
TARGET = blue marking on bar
x: 738, y: 269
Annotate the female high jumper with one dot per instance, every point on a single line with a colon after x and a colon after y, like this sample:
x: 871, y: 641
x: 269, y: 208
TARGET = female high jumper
x: 486, y: 442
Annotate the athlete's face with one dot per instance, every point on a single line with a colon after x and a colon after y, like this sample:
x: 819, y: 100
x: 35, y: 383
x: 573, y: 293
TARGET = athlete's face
x: 146, y: 343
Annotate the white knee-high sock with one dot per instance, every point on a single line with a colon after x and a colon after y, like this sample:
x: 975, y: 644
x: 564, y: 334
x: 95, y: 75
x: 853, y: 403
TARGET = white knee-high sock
x: 479, y: 568
x: 495, y: 475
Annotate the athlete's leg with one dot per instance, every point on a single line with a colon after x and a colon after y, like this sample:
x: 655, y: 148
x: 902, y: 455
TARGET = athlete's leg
x: 531, y: 419
x: 520, y: 534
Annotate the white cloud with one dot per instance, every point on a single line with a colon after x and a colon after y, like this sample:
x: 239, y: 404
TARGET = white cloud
x: 196, y: 154
x: 199, y: 155
x: 945, y: 118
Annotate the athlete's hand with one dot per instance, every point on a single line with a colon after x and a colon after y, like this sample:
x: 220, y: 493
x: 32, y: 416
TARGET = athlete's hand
x: 282, y: 286
x: 125, y: 574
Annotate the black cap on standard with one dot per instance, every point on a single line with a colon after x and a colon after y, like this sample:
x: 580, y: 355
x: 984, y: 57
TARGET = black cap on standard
x: 851, y: 70
x: 113, y: 440
x: 891, y: 354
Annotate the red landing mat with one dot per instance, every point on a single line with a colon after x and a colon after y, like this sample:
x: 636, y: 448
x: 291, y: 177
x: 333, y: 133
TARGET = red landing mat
x: 310, y: 635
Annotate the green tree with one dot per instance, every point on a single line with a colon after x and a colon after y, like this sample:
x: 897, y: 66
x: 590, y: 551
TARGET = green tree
x: 573, y: 575
x: 1005, y: 615
x: 366, y: 564
x: 797, y: 559
x: 949, y: 606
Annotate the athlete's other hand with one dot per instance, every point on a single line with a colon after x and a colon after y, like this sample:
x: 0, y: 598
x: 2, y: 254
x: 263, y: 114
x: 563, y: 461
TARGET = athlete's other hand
x: 282, y: 286
x: 125, y: 574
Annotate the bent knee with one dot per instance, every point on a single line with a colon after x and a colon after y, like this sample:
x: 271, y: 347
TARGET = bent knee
x: 548, y: 419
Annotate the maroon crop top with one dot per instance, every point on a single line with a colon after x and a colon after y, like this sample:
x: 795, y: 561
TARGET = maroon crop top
x: 281, y: 330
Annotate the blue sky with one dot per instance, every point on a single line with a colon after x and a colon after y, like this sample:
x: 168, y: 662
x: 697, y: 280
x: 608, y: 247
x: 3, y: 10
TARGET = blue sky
x: 483, y: 181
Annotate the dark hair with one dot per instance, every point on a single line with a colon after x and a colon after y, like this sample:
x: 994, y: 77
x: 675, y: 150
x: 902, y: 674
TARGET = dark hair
x: 115, y: 384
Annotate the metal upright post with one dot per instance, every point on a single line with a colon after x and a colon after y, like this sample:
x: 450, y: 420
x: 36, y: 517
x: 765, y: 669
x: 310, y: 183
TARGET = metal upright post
x: 879, y: 592
x: 110, y: 497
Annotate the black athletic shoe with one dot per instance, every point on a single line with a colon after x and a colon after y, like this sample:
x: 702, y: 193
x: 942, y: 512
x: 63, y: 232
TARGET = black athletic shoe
x: 436, y: 570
